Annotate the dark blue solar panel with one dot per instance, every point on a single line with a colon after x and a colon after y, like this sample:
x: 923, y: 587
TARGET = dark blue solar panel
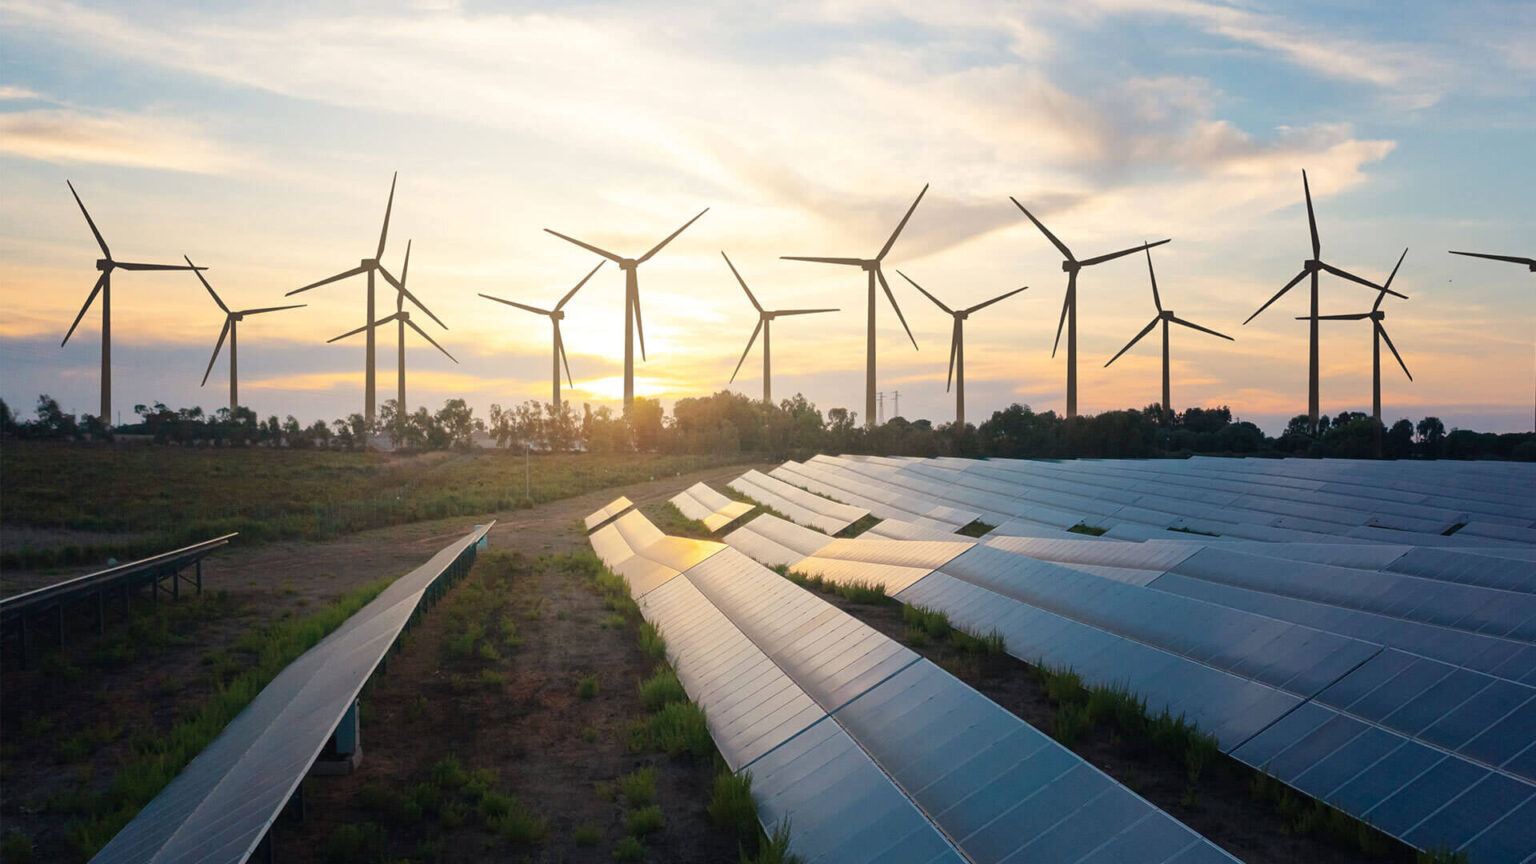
x: 1468, y: 815
x: 1509, y: 839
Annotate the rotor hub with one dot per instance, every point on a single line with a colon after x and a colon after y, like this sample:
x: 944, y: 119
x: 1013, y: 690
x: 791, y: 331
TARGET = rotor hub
x: 370, y: 263
x: 628, y: 263
x: 1311, y: 265
x: 105, y: 264
x: 870, y: 265
x: 1070, y: 266
x: 962, y: 315
x: 558, y: 314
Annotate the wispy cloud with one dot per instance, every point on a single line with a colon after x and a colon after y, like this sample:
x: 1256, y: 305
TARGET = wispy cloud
x: 69, y: 136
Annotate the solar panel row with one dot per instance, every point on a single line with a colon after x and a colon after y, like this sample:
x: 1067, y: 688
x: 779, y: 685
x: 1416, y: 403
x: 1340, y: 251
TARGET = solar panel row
x: 222, y: 804
x: 806, y: 508
x: 874, y: 754
x: 1392, y: 681
x: 708, y: 506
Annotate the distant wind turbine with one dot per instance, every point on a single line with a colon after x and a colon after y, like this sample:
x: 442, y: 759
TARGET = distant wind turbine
x: 764, y: 324
x: 872, y: 268
x: 957, y: 344
x: 1165, y: 316
x: 1378, y: 333
x: 106, y: 264
x: 556, y: 315
x: 371, y: 266
x: 1311, y: 267
x: 232, y: 330
x: 1071, y: 265
x: 632, y: 322
x: 403, y: 317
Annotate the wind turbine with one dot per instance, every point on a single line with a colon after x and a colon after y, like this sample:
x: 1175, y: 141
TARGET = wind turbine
x: 556, y: 315
x: 872, y: 268
x: 371, y: 266
x: 632, y: 323
x: 1378, y: 333
x: 403, y: 317
x: 1513, y: 259
x: 764, y: 324
x: 1071, y: 266
x: 106, y: 264
x: 1165, y: 316
x: 1311, y: 267
x: 232, y: 330
x: 957, y: 344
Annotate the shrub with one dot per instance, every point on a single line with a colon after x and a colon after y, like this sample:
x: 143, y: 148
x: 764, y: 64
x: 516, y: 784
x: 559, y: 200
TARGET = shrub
x: 586, y: 688
x: 639, y: 787
x: 355, y: 842
x: 661, y: 689
x: 731, y: 805
x: 680, y: 728
x: 645, y: 820
x: 631, y: 848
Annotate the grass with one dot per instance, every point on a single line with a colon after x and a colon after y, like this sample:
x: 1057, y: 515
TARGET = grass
x: 865, y: 522
x: 857, y: 591
x: 1089, y: 530
x: 586, y: 688
x: 644, y: 820
x: 976, y: 528
x: 157, y: 760
x: 272, y: 494
x: 671, y: 521
x: 631, y: 848
x: 661, y: 689
x: 639, y: 787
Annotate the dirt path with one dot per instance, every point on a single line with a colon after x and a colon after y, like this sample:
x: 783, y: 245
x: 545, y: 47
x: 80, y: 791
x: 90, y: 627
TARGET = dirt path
x: 68, y: 722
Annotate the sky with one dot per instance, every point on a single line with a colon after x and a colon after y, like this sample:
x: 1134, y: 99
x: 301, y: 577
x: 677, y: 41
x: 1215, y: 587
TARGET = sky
x: 260, y: 140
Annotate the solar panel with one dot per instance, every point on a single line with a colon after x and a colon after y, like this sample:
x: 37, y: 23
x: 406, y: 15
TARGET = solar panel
x: 803, y: 507
x: 607, y: 512
x: 222, y: 804
x: 708, y: 506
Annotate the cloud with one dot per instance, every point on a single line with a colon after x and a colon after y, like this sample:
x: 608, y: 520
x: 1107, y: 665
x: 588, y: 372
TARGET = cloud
x: 14, y: 93
x: 136, y: 140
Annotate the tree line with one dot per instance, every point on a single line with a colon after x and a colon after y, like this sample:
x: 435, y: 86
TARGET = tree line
x: 727, y: 423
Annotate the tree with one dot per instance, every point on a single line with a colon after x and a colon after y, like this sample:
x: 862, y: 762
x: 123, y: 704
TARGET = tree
x: 645, y: 420
x: 456, y: 422
x: 1399, y: 440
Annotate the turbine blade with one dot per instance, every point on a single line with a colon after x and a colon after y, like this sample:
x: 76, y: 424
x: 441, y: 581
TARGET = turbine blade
x: 272, y: 309
x: 328, y: 280
x: 954, y: 347
x: 1066, y: 300
x: 782, y: 312
x: 1513, y: 259
x: 423, y: 334
x: 1144, y: 331
x: 892, y: 297
x: 900, y: 225
x: 211, y: 292
x: 1388, y: 284
x: 572, y: 293
x: 857, y: 262
x: 1388, y: 339
x: 587, y: 246
x: 560, y: 346
x: 935, y: 300
x: 1113, y: 255
x: 100, y: 281
x: 1156, y: 300
x: 383, y: 233
x: 657, y: 248
x: 755, y: 305
x: 89, y: 221
x: 1343, y: 274
x: 980, y: 306
x: 750, y: 342
x: 1317, y: 246
x: 517, y: 304
x: 1194, y: 326
x: 1044, y: 230
x: 400, y: 286
x: 379, y: 323
x: 1358, y: 316
x: 126, y: 265
x: 639, y: 327
x: 1288, y: 286
x: 405, y: 270
x: 218, y: 346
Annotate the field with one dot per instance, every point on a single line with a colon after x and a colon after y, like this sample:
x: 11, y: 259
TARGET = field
x: 83, y: 727
x: 69, y: 505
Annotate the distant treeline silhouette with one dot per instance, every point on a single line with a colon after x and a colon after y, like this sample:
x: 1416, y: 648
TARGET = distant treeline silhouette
x: 727, y: 423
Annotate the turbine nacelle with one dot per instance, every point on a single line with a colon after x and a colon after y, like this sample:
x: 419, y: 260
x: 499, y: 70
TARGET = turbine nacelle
x: 368, y: 263
x: 1070, y: 266
x: 105, y: 264
x: 872, y: 264
x: 557, y: 315
x: 628, y: 263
